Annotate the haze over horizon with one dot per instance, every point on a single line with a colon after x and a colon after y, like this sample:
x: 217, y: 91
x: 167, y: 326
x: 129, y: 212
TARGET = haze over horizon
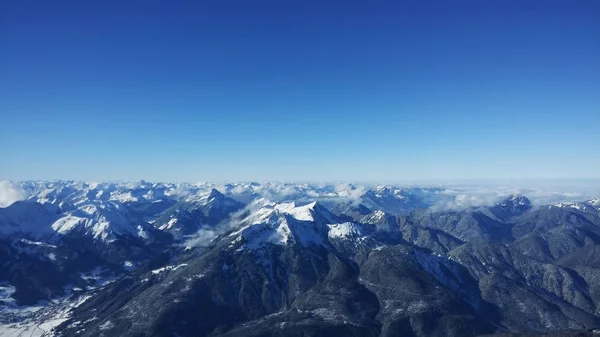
x: 299, y: 91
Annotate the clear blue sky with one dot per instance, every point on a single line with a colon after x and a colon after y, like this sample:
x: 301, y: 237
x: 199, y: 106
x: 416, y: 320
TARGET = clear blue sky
x: 299, y: 90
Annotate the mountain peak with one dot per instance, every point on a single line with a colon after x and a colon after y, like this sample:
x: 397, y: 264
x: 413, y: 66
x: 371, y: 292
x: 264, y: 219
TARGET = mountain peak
x: 517, y: 200
x: 513, y: 205
x: 214, y: 193
x: 594, y: 202
x: 286, y: 222
x: 303, y: 213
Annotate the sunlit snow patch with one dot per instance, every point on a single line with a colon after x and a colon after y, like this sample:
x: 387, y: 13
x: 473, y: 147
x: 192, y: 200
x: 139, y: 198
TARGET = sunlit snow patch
x: 168, y: 268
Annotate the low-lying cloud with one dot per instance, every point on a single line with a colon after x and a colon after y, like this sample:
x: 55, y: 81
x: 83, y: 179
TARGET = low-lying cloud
x: 465, y: 196
x: 10, y: 192
x: 205, y: 235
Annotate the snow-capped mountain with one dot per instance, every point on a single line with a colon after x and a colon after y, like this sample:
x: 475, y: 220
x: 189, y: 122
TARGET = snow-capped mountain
x: 28, y: 218
x: 192, y: 213
x: 286, y: 223
x: 396, y: 200
x: 276, y: 258
x: 587, y: 206
x: 594, y: 202
x: 513, y: 205
x: 105, y: 221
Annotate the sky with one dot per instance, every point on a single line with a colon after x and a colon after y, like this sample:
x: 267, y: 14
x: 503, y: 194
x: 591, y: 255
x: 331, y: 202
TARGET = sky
x: 299, y: 90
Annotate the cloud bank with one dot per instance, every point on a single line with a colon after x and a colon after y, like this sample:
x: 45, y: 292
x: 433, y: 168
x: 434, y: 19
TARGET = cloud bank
x: 540, y: 193
x: 9, y: 193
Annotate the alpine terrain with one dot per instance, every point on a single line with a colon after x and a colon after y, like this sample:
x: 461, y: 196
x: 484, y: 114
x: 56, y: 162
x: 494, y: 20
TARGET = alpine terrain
x: 282, y: 259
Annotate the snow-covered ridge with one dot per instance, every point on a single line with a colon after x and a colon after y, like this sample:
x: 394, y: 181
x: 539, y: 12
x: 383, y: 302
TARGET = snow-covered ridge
x: 375, y: 217
x: 168, y: 268
x: 344, y: 230
x: 594, y: 202
x: 280, y: 223
x: 103, y: 220
x: 569, y: 204
x: 289, y: 223
x: 106, y: 211
x: 75, y: 192
x: 519, y: 200
x: 515, y: 201
x: 302, y: 213
x: 580, y: 206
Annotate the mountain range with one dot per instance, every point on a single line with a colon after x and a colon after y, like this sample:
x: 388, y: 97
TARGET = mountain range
x: 279, y: 259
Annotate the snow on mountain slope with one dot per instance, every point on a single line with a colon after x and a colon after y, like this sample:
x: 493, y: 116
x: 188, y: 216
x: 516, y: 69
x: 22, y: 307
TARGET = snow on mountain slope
x: 72, y: 192
x: 586, y: 207
x: 38, y: 320
x: 76, y: 193
x: 389, y: 198
x: 515, y: 200
x: 288, y: 223
x: 280, y: 224
x: 26, y: 217
x: 396, y: 200
x: 344, y: 230
x: 105, y: 220
x: 302, y: 213
x: 323, y: 224
x: 100, y: 220
x: 106, y: 210
x: 195, y: 212
x: 375, y: 217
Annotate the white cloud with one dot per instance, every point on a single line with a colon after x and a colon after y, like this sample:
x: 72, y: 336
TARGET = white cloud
x: 540, y: 193
x: 9, y: 193
x: 203, y: 237
x: 351, y: 193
